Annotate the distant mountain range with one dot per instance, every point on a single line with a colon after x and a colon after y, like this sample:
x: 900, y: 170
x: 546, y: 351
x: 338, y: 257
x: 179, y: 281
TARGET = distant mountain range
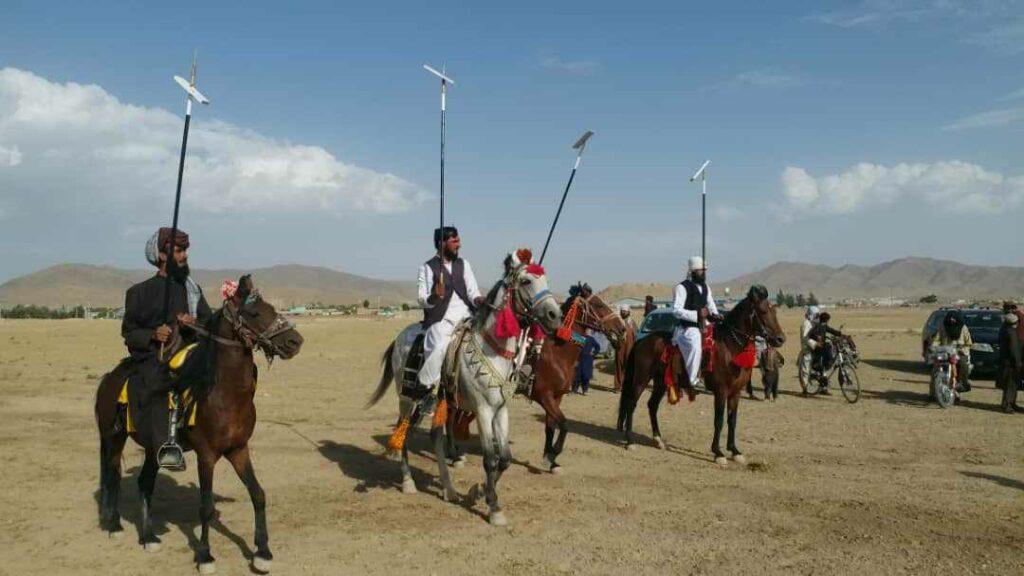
x: 285, y: 285
x: 292, y: 284
x: 908, y: 278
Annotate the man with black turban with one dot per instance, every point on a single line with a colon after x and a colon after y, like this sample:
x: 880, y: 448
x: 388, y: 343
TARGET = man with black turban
x: 954, y: 333
x: 146, y: 330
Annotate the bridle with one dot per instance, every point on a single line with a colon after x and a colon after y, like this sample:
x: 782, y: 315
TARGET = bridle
x: 735, y: 333
x: 522, y: 305
x: 589, y: 318
x: 251, y: 337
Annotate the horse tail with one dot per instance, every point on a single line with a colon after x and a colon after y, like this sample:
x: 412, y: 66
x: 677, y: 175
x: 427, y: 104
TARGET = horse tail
x: 385, y: 378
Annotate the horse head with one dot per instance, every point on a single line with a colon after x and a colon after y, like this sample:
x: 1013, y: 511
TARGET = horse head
x: 597, y: 315
x: 532, y: 300
x: 259, y: 324
x: 763, y: 315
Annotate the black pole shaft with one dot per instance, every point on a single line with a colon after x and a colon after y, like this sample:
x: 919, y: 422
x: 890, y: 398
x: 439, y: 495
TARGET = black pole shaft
x: 440, y: 249
x: 174, y: 224
x: 703, y: 228
x: 557, y: 214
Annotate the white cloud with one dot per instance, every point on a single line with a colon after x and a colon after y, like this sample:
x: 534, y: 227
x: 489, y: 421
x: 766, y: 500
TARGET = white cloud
x: 574, y: 67
x: 989, y: 118
x: 79, y: 141
x: 9, y: 157
x: 951, y: 186
x: 767, y: 79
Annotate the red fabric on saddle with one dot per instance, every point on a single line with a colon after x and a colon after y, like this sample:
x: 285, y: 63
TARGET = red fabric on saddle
x: 666, y: 359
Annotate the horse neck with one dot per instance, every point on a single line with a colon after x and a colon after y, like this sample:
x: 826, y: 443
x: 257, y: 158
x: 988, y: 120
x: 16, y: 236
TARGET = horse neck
x: 740, y: 319
x: 233, y: 364
x: 484, y: 333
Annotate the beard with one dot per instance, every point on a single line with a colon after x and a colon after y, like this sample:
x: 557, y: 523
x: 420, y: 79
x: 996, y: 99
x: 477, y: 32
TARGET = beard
x: 178, y: 272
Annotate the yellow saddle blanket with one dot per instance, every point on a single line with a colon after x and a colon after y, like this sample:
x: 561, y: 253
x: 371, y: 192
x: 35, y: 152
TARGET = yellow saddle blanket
x: 188, y: 408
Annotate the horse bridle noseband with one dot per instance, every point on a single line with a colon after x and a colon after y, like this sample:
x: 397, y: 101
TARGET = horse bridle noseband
x: 525, y: 309
x: 253, y: 338
x: 588, y: 312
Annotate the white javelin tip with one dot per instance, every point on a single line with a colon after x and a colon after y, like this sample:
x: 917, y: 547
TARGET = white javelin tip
x: 703, y: 168
x: 583, y: 140
x: 438, y: 74
x: 192, y: 92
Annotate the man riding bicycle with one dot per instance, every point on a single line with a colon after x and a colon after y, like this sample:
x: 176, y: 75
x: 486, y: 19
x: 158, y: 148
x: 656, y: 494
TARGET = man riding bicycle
x: 823, y: 351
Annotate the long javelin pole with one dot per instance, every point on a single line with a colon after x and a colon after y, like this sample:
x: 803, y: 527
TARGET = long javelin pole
x: 580, y: 145
x: 445, y: 80
x: 702, y: 173
x: 193, y: 94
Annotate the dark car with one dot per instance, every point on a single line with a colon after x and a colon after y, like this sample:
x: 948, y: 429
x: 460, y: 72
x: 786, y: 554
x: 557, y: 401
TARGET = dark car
x: 983, y: 324
x: 659, y: 320
x: 662, y: 320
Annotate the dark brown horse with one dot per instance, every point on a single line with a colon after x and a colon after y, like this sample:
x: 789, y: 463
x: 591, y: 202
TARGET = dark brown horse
x: 752, y: 316
x: 224, y: 421
x: 556, y: 368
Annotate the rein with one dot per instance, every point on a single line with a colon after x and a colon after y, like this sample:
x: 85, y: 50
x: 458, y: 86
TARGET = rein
x: 735, y: 332
x: 252, y: 338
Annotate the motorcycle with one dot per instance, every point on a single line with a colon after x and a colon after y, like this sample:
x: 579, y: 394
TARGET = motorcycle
x: 944, y: 361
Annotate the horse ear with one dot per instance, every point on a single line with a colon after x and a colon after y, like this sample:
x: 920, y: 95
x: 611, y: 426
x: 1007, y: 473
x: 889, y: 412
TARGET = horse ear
x: 524, y: 255
x: 244, y: 287
x: 757, y: 293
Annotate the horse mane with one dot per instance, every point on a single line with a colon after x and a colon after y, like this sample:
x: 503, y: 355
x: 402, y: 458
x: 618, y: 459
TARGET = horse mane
x: 733, y: 317
x: 480, y: 317
x: 200, y: 371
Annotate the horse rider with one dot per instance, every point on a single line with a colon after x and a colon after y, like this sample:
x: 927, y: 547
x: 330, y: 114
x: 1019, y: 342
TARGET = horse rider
x: 693, y: 305
x: 953, y: 332
x: 449, y: 294
x: 145, y: 330
x: 625, y: 346
x: 806, y: 343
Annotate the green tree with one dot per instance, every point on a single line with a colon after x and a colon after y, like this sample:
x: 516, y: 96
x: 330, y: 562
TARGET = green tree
x: 800, y: 301
x: 812, y: 300
x: 929, y: 299
x: 405, y: 306
x: 366, y: 303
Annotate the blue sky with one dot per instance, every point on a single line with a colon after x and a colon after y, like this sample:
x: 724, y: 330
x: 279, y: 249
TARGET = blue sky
x: 856, y: 132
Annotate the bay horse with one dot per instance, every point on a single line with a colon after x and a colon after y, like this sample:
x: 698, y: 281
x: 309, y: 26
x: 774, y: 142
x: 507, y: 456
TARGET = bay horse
x: 482, y: 386
x: 224, y: 421
x: 751, y: 317
x: 556, y: 368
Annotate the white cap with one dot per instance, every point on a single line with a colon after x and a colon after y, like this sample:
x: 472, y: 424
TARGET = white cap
x: 696, y: 263
x: 624, y: 308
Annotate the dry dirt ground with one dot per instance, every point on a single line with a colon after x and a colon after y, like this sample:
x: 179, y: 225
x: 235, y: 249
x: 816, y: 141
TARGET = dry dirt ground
x: 890, y: 485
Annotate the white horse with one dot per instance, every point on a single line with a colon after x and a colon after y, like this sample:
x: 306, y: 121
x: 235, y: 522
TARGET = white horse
x: 484, y: 365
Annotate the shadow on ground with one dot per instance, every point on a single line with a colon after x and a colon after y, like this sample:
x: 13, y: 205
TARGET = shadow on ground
x: 174, y: 505
x: 1001, y: 480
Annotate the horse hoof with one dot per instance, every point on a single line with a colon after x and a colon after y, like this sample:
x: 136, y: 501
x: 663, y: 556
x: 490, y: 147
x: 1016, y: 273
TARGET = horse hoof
x: 739, y: 459
x: 116, y: 534
x: 459, y: 462
x: 721, y: 461
x: 151, y: 547
x: 556, y: 469
x: 409, y: 486
x: 210, y: 568
x: 261, y: 564
x: 659, y: 442
x: 497, y: 518
x: 450, y: 495
x: 630, y: 446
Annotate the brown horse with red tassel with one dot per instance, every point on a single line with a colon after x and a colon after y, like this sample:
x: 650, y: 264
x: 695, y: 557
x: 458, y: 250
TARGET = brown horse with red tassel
x: 726, y: 372
x: 556, y: 365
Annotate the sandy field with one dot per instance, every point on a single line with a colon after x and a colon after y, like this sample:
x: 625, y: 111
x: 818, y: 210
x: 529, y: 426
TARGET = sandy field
x: 889, y: 485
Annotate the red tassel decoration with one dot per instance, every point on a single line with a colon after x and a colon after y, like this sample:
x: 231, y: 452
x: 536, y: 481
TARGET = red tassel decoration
x: 507, y: 325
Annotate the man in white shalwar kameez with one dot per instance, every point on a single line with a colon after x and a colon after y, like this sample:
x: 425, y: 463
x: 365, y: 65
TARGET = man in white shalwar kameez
x: 693, y: 305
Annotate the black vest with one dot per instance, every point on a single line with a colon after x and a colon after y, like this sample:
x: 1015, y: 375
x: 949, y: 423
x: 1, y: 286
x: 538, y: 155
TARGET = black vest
x: 455, y: 283
x: 696, y: 299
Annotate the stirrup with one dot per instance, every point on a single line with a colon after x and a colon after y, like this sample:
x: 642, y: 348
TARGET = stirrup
x: 524, y: 380
x: 171, y: 457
